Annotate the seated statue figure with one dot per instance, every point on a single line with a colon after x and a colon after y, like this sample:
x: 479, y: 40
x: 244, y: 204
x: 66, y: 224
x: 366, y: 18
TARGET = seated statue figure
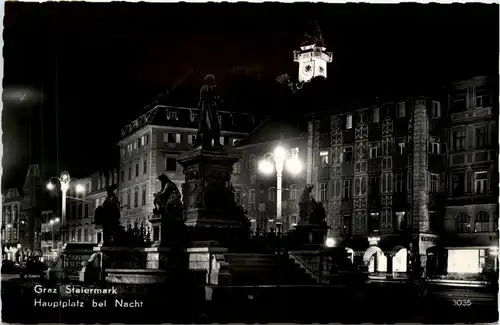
x: 168, y: 199
x: 306, y: 204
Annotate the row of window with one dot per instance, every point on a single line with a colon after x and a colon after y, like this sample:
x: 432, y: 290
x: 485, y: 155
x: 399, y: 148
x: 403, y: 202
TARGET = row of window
x: 375, y: 221
x: 102, y: 182
x: 175, y: 138
x: 79, y: 210
x: 136, y: 171
x: 375, y: 114
x: 471, y: 98
x: 376, y: 150
x: 80, y: 236
x: 129, y: 201
x: 480, y: 183
x: 136, y: 144
x: 11, y: 214
x: 480, y: 138
x: 481, y: 223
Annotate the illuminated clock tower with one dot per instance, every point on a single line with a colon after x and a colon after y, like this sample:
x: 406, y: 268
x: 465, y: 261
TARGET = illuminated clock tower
x: 312, y: 56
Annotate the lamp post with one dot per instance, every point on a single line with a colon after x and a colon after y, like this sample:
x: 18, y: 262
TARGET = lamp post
x: 65, y: 181
x: 281, y: 158
x: 52, y: 223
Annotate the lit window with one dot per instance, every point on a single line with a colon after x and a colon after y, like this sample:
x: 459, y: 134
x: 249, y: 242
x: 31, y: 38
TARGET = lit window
x: 192, y: 138
x: 401, y: 147
x: 480, y: 182
x: 376, y: 115
x: 374, y: 150
x: 323, y: 158
x: 172, y: 137
x: 237, y: 168
x: 348, y: 122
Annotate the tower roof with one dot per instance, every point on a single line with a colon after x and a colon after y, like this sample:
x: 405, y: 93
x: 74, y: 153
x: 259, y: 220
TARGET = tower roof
x: 313, y: 36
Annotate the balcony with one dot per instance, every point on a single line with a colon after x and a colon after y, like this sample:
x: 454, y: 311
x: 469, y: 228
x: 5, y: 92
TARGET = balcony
x: 479, y: 156
x: 484, y: 112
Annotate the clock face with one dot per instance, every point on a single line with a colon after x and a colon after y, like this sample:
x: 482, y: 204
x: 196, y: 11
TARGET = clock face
x: 307, y: 69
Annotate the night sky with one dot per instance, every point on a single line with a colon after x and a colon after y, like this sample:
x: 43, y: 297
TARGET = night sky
x: 100, y: 64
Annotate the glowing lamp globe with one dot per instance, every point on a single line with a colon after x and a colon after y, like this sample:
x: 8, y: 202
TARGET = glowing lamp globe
x: 294, y: 166
x: 79, y: 188
x: 50, y: 186
x: 56, y: 219
x: 330, y: 242
x: 279, y: 154
x: 266, y: 167
x: 64, y: 177
x: 51, y: 222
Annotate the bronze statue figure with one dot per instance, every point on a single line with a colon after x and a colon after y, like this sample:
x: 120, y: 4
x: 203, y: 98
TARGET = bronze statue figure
x: 305, y: 203
x: 168, y: 200
x: 208, y: 128
x: 107, y: 215
x: 311, y: 210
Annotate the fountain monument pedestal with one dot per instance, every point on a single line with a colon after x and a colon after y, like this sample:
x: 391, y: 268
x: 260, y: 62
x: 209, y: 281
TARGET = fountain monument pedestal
x: 212, y: 217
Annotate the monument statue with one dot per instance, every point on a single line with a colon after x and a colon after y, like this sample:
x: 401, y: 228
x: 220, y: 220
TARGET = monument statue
x: 309, y: 209
x: 168, y: 200
x: 208, y: 128
x: 107, y: 215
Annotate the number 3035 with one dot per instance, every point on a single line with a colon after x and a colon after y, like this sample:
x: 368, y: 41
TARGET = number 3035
x: 462, y: 303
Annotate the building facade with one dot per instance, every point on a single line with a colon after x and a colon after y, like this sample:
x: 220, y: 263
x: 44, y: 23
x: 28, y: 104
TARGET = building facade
x: 50, y: 234
x: 471, y: 219
x: 150, y: 146
x: 380, y: 176
x: 81, y: 206
x: 11, y: 223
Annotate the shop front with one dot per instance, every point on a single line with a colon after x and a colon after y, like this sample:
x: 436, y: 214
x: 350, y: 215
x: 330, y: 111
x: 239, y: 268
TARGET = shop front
x: 469, y: 262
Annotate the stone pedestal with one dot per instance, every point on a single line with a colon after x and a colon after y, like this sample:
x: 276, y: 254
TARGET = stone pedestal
x: 167, y: 231
x: 310, y: 235
x: 209, y: 209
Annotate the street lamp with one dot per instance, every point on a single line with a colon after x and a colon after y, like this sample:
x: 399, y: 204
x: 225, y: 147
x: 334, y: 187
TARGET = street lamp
x: 281, y: 158
x: 330, y: 242
x: 64, y: 180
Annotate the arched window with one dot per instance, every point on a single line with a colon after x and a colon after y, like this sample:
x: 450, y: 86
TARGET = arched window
x: 482, y: 222
x: 462, y: 223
